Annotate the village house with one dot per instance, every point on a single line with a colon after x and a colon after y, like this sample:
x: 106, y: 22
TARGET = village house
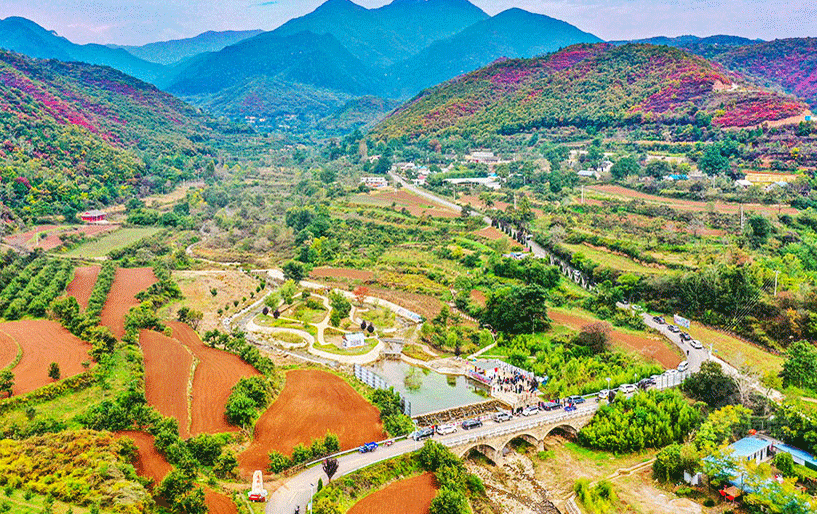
x: 93, y: 216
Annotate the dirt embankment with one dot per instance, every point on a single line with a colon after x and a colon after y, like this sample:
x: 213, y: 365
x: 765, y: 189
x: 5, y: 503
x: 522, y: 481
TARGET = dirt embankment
x: 43, y: 342
x: 655, y: 349
x: 216, y: 374
x: 409, y: 496
x: 352, y: 274
x: 126, y: 284
x: 83, y: 284
x: 167, y: 374
x: 312, y: 403
x: 8, y: 350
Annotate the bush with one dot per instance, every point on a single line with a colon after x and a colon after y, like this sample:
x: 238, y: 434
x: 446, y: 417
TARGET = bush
x: 278, y: 462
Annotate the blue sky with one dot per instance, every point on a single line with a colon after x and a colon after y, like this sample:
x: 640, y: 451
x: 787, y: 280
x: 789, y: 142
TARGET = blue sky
x: 143, y: 21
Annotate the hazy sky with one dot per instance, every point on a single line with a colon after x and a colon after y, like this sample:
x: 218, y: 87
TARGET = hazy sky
x: 143, y: 21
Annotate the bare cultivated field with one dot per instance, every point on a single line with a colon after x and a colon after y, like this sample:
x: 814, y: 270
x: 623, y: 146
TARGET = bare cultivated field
x: 426, y: 306
x: 408, y: 496
x: 655, y: 349
x: 690, y: 205
x: 216, y: 374
x: 414, y: 204
x: 126, y: 284
x: 218, y: 503
x: 83, y: 283
x: 167, y: 374
x: 494, y: 234
x: 312, y: 403
x: 43, y: 342
x: 149, y: 462
x: 196, y: 286
x: 48, y: 237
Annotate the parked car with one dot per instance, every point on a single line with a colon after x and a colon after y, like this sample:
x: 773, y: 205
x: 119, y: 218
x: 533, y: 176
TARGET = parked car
x: 626, y: 388
x: 645, y: 383
x: 368, y: 447
x: 659, y: 320
x: 530, y: 410
x: 603, y: 395
x: 549, y: 406
x: 673, y: 329
x: 671, y: 372
x: 683, y: 366
x: 468, y: 424
x: 696, y: 344
x: 501, y: 416
x: 423, y: 433
x: 576, y: 399
x: 446, y: 429
x: 685, y: 337
x: 570, y: 407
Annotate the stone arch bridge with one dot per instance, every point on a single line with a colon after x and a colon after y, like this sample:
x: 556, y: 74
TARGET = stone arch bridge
x: 494, y: 443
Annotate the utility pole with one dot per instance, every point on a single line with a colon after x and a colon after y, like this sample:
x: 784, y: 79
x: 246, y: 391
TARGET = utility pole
x: 776, y: 274
x: 582, y: 194
x: 742, y: 219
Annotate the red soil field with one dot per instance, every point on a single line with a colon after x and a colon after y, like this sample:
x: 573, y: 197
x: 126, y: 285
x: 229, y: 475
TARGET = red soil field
x: 51, y: 235
x: 690, y: 205
x: 312, y: 403
x: 426, y: 306
x: 44, y: 342
x: 416, y: 205
x: 650, y: 348
x: 149, y: 462
x: 83, y: 283
x: 24, y: 237
x: 218, y: 503
x: 167, y: 373
x: 494, y: 234
x: 354, y: 274
x: 126, y: 284
x: 408, y: 496
x: 478, y: 297
x: 8, y: 350
x: 216, y: 374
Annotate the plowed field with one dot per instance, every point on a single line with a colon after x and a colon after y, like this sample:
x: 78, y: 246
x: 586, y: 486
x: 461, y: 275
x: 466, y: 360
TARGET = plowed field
x: 216, y: 373
x: 126, y: 284
x: 149, y: 462
x: 8, y: 350
x: 409, y: 496
x: 218, y: 503
x: 83, y: 283
x: 650, y: 348
x: 312, y: 403
x: 43, y: 342
x: 167, y: 373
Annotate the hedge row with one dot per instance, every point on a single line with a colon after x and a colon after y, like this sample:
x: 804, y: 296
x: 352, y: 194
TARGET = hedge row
x: 99, y: 294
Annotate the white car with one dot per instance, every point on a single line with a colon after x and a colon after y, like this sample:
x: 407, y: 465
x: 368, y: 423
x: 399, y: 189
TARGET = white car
x: 671, y: 372
x: 696, y: 344
x: 446, y: 429
x: 603, y: 395
x: 530, y: 410
x: 683, y: 366
x: 626, y: 388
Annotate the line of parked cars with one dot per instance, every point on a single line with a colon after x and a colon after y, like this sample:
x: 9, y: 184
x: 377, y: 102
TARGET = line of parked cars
x: 685, y: 337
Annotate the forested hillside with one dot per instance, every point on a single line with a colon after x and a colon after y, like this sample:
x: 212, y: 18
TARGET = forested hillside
x: 588, y: 85
x: 77, y: 136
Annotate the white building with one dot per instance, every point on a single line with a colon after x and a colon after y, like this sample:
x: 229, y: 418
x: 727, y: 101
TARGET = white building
x: 374, y: 181
x: 355, y: 340
x: 489, y: 182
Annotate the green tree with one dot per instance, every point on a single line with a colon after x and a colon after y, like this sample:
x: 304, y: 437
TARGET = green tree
x: 712, y: 162
x: 800, y: 367
x: 295, y: 270
x: 54, y: 371
x: 518, y: 310
x: 785, y: 463
x: 287, y: 292
x: 657, y: 168
x: 6, y: 381
x: 326, y: 506
x: 449, y: 501
x: 711, y: 385
x: 759, y: 229
x: 225, y: 465
x: 624, y: 167
x: 240, y: 410
x: 278, y: 462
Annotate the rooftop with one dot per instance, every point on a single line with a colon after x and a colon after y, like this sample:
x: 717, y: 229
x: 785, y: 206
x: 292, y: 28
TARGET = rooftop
x: 749, y: 446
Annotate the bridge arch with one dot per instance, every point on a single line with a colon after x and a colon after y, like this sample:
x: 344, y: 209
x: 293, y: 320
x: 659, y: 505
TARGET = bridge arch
x: 529, y: 438
x: 485, y: 448
x: 563, y: 429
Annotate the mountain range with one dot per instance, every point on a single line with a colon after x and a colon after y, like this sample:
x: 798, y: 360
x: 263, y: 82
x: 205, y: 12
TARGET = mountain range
x: 177, y: 50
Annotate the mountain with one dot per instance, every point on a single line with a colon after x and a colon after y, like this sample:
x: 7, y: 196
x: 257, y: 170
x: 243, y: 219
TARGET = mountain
x: 77, y: 136
x: 172, y: 52
x: 305, y: 58
x: 586, y: 85
x: 789, y: 65
x: 26, y: 37
x: 380, y: 37
x: 512, y: 33
x: 688, y: 42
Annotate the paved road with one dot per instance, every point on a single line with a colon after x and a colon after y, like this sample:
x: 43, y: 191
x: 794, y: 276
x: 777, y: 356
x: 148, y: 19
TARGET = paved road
x: 297, y: 490
x: 694, y: 357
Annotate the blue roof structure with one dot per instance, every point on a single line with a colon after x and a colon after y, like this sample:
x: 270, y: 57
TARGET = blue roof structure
x: 809, y: 459
x: 749, y: 446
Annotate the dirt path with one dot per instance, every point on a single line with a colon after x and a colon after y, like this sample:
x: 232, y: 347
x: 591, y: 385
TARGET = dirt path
x: 167, y: 375
x: 408, y: 496
x: 650, y: 348
x: 216, y: 374
x: 149, y: 462
x: 44, y: 342
x: 83, y: 283
x: 312, y: 403
x: 126, y: 284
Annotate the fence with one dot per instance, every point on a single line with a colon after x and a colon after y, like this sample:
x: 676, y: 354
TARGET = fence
x: 373, y: 380
x: 535, y: 422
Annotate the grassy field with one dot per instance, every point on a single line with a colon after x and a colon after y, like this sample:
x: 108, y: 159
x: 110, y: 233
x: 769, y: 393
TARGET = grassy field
x: 17, y: 504
x: 611, y: 260
x: 736, y: 352
x: 115, y: 240
x: 330, y: 348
